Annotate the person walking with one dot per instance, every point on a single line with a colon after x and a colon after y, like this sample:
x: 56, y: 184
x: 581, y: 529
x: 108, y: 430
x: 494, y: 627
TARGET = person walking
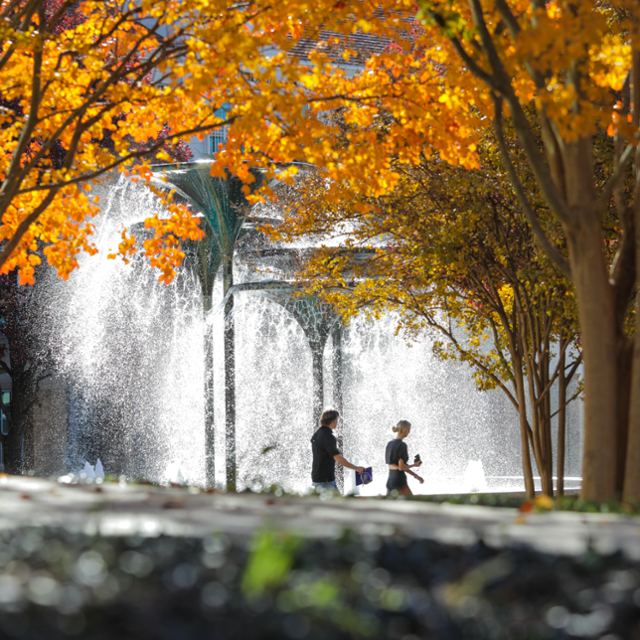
x: 325, y: 453
x: 397, y: 457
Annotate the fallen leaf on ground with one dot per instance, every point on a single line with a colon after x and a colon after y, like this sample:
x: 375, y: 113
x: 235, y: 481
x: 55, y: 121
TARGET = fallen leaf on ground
x: 173, y: 504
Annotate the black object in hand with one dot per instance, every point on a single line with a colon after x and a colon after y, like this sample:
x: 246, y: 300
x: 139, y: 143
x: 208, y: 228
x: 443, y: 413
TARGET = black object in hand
x: 416, y: 459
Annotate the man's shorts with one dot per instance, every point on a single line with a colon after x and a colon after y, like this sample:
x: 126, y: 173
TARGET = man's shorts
x: 323, y: 486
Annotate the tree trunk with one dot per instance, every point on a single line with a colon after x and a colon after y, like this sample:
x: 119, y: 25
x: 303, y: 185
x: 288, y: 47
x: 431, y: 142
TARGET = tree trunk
x: 545, y: 426
x: 537, y: 440
x: 527, y: 470
x: 562, y: 418
x: 13, y: 450
x: 596, y: 311
x: 631, y: 489
x: 337, y: 397
x: 540, y: 426
x: 18, y: 453
x: 625, y: 359
x: 317, y: 351
x: 209, y: 406
x: 229, y: 375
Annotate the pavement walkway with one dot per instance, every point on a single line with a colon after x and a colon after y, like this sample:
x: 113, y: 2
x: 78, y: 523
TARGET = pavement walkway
x: 128, y: 509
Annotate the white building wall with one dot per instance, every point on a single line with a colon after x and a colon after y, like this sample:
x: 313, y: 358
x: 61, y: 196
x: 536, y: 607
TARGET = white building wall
x: 200, y: 148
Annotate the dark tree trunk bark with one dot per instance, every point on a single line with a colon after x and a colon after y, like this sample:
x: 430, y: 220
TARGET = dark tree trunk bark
x: 625, y: 361
x: 537, y: 417
x: 13, y: 449
x: 19, y: 440
x: 545, y: 426
x: 631, y: 489
x: 632, y: 470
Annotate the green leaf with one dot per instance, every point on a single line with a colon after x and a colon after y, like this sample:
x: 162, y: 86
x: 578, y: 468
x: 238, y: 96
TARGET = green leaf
x: 270, y: 562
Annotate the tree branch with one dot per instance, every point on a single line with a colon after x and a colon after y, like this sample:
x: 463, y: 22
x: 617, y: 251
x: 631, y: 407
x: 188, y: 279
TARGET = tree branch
x: 574, y: 368
x: 509, y: 19
x: 504, y: 88
x: 133, y: 155
x: 561, y: 262
x: 24, y: 226
x: 605, y: 197
x: 471, y: 64
x: 556, y: 371
x: 566, y: 404
x: 467, y: 356
x: 114, y: 77
x: 25, y: 136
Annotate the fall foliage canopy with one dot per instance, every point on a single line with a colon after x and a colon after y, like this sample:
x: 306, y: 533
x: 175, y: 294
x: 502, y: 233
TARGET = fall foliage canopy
x: 111, y: 81
x: 474, y: 65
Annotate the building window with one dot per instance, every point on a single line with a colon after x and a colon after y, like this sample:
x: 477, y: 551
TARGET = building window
x: 219, y: 136
x: 4, y: 423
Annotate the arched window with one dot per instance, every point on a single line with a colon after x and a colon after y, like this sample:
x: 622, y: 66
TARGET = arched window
x: 219, y: 135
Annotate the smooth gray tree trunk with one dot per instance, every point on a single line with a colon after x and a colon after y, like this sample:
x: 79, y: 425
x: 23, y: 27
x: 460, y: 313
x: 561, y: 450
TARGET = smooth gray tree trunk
x: 209, y: 406
x: 229, y: 375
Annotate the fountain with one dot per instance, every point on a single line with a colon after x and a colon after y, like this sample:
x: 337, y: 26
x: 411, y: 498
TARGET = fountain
x: 222, y: 206
x: 317, y: 320
x: 475, y: 478
x: 131, y: 351
x: 129, y: 358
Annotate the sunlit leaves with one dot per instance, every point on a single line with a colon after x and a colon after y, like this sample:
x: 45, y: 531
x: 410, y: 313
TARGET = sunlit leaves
x: 122, y: 75
x: 448, y: 250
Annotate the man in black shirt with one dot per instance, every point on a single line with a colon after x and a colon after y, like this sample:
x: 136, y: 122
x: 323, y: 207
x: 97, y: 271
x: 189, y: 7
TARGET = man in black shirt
x: 326, y: 453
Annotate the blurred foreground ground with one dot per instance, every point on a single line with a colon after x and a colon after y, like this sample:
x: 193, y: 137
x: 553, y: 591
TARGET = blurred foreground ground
x: 146, y: 563
x: 127, y: 509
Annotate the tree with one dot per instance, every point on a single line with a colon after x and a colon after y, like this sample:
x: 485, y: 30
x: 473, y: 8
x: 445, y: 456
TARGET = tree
x: 451, y: 252
x: 570, y: 59
x: 90, y: 87
x: 179, y: 151
x: 474, y: 64
x: 27, y: 361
